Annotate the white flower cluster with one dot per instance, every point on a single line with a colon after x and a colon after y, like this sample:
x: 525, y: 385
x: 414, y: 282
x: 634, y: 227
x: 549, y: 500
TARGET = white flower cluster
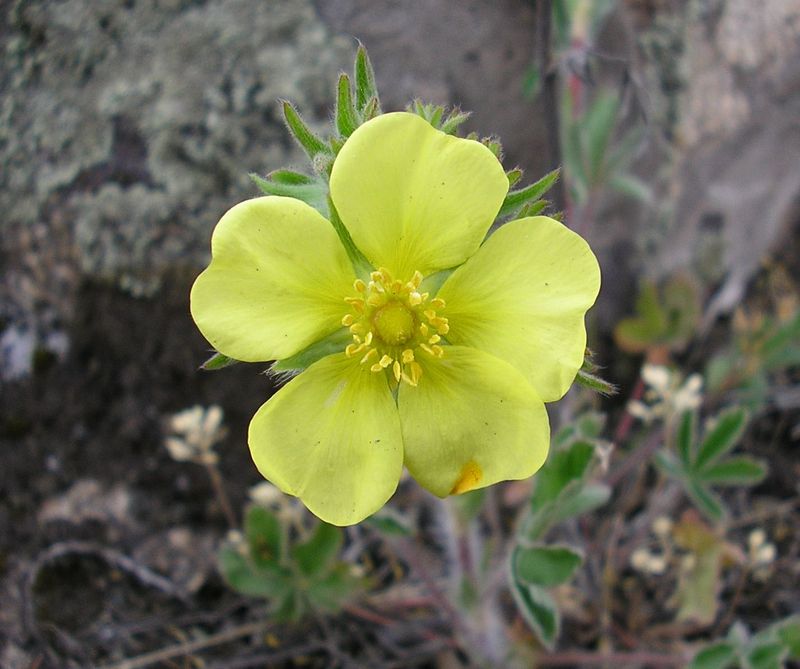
x: 195, y: 433
x: 761, y: 554
x: 655, y: 562
x: 667, y: 394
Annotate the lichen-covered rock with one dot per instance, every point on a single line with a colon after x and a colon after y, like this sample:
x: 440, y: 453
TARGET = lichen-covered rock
x: 131, y: 126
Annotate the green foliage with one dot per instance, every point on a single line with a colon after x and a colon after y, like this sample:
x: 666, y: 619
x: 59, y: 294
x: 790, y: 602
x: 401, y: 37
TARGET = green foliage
x: 700, y: 465
x: 296, y: 577
x: 664, y: 318
x: 591, y: 160
x: 765, y: 348
x: 562, y: 491
x: 517, y: 200
x: 771, y: 648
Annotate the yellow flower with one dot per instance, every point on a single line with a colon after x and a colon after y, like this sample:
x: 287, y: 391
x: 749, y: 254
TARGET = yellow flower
x: 449, y: 383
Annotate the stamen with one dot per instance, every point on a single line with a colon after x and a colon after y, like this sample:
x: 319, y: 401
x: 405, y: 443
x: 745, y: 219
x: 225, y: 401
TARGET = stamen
x: 391, y: 321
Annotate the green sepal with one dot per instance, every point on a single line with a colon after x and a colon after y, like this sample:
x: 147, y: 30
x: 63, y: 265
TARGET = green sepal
x: 313, y: 192
x: 516, y: 199
x: 361, y: 266
x: 311, y: 143
x: 595, y: 383
x: 346, y: 115
x: 218, y: 361
x: 333, y: 343
x: 366, y: 90
x: 454, y: 121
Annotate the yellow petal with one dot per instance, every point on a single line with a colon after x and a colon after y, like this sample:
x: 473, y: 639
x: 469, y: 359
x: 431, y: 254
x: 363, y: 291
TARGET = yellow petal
x: 414, y: 198
x: 276, y: 281
x: 522, y: 297
x: 472, y: 421
x: 331, y: 437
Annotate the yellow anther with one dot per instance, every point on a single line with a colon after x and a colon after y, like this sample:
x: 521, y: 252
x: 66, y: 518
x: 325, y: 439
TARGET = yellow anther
x: 352, y: 349
x: 391, y: 322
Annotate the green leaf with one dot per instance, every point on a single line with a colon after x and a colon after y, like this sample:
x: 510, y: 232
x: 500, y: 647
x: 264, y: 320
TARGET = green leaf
x: 333, y: 343
x: 685, y: 438
x: 741, y: 470
x: 312, y: 192
x: 346, y: 115
x: 532, y: 83
x: 633, y: 187
x: 310, y: 142
x: 788, y: 633
x: 316, y: 555
x: 706, y: 501
x: 721, y: 437
x: 330, y: 593
x: 545, y: 566
x: 599, y: 125
x: 720, y: 655
x: 539, y: 611
x: 264, y: 535
x: 218, y: 361
x: 767, y: 656
x: 669, y: 464
x: 517, y: 198
x: 591, y: 423
x: 388, y: 521
x: 561, y: 468
x: 585, y: 499
x: 243, y: 577
x: 365, y: 79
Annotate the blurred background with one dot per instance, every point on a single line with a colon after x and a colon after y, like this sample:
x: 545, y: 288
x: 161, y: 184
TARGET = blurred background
x: 128, y: 127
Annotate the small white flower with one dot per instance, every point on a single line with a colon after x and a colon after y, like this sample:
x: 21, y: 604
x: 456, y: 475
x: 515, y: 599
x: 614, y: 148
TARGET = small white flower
x: 667, y: 395
x: 662, y: 526
x: 195, y: 432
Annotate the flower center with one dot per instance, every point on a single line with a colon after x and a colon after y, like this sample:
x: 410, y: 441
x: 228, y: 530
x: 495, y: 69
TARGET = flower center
x: 392, y: 323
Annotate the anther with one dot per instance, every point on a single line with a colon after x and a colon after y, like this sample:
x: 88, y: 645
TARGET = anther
x: 359, y: 285
x: 438, y: 303
x: 352, y: 349
x: 385, y: 361
x: 348, y: 319
x: 414, y: 298
x: 369, y: 354
x: 396, y: 371
x: 408, y: 356
x: 435, y: 339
